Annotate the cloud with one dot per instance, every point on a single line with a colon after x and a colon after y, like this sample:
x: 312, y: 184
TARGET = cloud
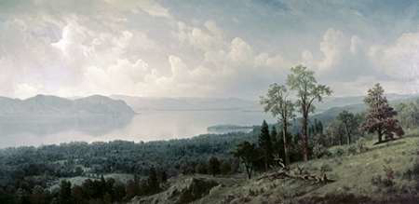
x: 163, y: 48
x: 151, y: 7
x: 398, y: 60
x: 343, y: 57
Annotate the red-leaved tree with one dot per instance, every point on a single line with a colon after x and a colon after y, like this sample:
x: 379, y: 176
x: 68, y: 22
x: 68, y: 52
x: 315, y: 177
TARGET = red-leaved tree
x: 380, y: 116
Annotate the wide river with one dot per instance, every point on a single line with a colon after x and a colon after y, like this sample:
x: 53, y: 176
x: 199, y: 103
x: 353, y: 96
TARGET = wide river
x: 146, y: 126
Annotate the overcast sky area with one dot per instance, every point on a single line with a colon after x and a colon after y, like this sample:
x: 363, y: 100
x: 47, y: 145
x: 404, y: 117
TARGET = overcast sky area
x: 201, y: 48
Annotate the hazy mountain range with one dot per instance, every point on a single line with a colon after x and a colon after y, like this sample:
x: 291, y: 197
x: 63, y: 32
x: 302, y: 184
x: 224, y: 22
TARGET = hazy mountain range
x: 45, y: 105
x: 186, y: 103
x: 171, y: 104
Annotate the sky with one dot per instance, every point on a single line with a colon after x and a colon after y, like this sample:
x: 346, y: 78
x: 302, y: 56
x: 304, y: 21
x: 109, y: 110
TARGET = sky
x: 201, y: 48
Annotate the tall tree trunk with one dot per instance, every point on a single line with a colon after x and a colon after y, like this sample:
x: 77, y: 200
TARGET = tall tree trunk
x: 348, y: 135
x: 305, y: 136
x: 284, y: 137
x: 248, y: 171
x: 380, y: 135
x: 266, y: 161
x: 349, y: 138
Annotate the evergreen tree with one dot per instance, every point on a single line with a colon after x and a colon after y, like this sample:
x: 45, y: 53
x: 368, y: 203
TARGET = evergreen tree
x: 163, y: 176
x: 381, y: 116
x: 265, y: 144
x: 318, y: 127
x: 274, y: 141
x: 214, y: 166
x: 65, y: 192
x: 153, y: 182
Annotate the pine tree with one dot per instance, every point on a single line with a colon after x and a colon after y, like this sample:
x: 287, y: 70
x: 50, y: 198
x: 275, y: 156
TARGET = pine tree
x: 214, y: 166
x: 380, y: 115
x: 163, y: 176
x: 65, y: 192
x: 153, y: 182
x: 274, y: 140
x: 265, y: 144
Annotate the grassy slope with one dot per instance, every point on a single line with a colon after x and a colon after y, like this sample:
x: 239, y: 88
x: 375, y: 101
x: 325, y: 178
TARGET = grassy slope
x: 353, y: 174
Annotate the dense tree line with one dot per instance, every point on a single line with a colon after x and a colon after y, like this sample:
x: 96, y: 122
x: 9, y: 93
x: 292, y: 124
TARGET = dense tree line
x: 26, y: 169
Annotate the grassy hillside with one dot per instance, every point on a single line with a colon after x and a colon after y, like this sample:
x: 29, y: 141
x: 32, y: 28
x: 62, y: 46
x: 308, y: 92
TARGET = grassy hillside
x: 368, y: 176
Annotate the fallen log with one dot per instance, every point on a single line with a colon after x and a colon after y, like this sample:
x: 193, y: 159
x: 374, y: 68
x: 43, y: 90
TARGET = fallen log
x: 302, y: 175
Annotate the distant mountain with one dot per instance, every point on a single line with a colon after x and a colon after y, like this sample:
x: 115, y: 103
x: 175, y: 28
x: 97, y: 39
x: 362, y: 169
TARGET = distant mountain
x: 185, y: 103
x: 359, y: 107
x: 334, y: 102
x: 45, y: 105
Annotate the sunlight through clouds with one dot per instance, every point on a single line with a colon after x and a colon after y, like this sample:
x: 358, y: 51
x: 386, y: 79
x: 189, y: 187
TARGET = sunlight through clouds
x: 160, y: 48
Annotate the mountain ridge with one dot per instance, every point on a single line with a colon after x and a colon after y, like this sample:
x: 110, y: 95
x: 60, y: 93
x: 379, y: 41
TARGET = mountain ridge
x: 49, y: 105
x: 232, y: 103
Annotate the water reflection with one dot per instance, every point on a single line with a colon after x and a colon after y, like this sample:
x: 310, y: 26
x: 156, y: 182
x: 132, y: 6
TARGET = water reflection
x: 146, y: 126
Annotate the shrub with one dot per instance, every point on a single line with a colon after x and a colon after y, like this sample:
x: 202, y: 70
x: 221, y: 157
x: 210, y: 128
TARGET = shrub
x: 320, y: 151
x: 325, y: 168
x: 413, y: 173
x: 339, y: 152
x: 352, y: 150
x: 225, y: 168
x: 384, y: 182
x: 361, y: 145
x: 201, y: 168
x: 214, y: 166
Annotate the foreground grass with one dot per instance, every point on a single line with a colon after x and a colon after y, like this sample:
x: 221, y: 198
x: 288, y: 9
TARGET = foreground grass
x: 353, y: 173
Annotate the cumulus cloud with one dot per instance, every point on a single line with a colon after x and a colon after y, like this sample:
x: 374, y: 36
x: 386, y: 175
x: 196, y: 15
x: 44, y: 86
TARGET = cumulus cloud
x: 154, y: 48
x: 400, y: 59
x: 343, y: 57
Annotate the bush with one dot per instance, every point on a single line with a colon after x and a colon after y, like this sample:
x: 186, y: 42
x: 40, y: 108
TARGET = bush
x: 320, y: 151
x: 384, y: 182
x: 201, y: 168
x: 352, y: 150
x: 325, y: 168
x: 225, y: 168
x: 413, y: 173
x: 339, y: 152
x: 214, y: 166
x: 361, y: 145
x: 381, y: 182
